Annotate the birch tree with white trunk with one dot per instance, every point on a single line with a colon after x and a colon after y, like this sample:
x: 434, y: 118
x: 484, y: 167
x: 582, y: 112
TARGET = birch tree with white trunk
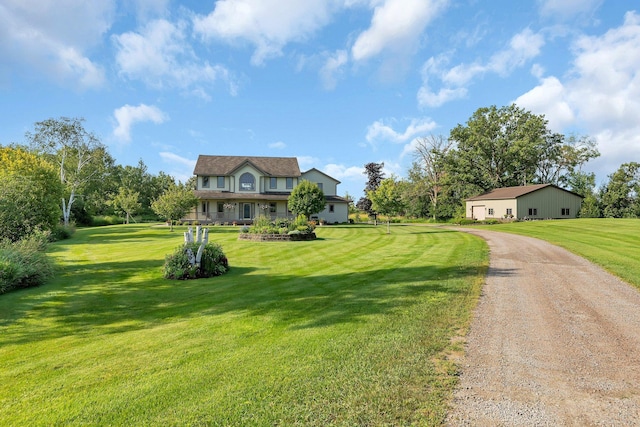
x: 79, y: 155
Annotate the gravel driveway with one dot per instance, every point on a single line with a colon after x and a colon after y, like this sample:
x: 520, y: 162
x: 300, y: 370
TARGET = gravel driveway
x: 555, y: 341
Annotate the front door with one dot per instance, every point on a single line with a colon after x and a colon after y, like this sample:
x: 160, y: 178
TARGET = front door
x: 246, y: 211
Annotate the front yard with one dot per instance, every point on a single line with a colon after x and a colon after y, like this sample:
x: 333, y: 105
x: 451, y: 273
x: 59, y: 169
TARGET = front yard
x: 354, y: 328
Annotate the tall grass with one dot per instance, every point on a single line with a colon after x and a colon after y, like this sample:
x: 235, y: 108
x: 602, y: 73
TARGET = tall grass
x: 355, y: 328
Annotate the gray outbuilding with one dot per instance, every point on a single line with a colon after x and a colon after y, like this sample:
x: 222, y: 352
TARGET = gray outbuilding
x: 541, y: 201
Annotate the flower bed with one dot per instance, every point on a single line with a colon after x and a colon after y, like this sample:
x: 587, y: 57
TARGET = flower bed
x: 276, y: 237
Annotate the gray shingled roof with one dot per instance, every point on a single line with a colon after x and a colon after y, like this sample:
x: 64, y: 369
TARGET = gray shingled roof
x: 226, y: 165
x: 512, y: 192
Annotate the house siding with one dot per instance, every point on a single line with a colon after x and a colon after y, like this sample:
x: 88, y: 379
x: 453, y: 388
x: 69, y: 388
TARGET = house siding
x: 549, y: 203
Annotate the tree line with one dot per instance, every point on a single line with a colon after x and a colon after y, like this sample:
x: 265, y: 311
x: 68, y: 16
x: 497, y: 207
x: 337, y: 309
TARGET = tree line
x: 498, y: 147
x: 64, y: 174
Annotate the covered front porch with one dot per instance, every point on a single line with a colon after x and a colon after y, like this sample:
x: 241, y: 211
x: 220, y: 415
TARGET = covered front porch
x: 239, y: 212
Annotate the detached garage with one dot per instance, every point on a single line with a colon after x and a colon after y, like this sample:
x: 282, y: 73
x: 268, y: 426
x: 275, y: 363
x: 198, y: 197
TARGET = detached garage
x: 542, y: 201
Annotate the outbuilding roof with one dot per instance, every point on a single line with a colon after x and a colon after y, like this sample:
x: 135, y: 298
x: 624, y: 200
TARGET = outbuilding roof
x: 226, y: 165
x: 514, y: 192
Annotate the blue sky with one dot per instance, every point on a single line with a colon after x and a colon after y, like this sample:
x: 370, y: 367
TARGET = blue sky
x: 336, y: 83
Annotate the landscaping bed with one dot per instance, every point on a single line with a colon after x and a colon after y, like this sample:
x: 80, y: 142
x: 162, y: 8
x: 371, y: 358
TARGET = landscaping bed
x: 277, y: 237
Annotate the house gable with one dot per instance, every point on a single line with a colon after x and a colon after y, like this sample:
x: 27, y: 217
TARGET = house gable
x: 327, y: 184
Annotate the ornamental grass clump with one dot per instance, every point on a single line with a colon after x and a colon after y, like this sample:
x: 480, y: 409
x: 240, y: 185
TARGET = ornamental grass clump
x: 182, y: 265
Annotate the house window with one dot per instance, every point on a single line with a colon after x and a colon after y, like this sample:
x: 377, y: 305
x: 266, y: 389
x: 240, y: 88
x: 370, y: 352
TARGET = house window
x: 289, y: 183
x: 533, y: 211
x: 272, y: 207
x: 205, y: 182
x: 273, y: 182
x: 204, y: 207
x: 247, y: 182
x: 565, y: 211
x: 221, y: 182
x: 319, y: 184
x: 220, y: 207
x: 509, y: 211
x: 490, y: 211
x: 331, y: 208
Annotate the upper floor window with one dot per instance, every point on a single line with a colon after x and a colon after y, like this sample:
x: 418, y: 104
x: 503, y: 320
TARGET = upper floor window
x: 221, y: 182
x: 205, y: 182
x: 247, y: 182
x: 273, y: 182
x: 319, y: 184
x: 289, y: 183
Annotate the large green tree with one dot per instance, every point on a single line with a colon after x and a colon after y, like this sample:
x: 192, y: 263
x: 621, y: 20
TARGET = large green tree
x: 306, y: 199
x: 498, y: 147
x: 621, y: 194
x: 387, y: 199
x: 29, y: 194
x: 174, y: 203
x: 79, y: 155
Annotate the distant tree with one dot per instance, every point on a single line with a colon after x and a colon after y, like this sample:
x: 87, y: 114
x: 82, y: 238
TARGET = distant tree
x: 126, y: 201
x: 306, y: 199
x: 350, y: 204
x: 79, y: 155
x: 174, y: 203
x: 29, y: 194
x: 560, y: 157
x: 387, y: 199
x: 374, y: 178
x: 620, y: 196
x: 430, y: 153
x: 498, y: 147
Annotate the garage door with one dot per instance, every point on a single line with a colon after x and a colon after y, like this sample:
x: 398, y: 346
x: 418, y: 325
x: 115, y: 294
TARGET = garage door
x: 478, y: 212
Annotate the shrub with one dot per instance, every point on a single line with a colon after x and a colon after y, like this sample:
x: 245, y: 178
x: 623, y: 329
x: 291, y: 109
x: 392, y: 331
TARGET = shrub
x: 181, y: 264
x: 466, y: 221
x: 62, y: 232
x: 24, y: 264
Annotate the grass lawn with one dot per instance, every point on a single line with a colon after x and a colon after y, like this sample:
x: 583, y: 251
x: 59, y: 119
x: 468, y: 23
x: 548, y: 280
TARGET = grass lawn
x: 611, y: 243
x: 355, y: 328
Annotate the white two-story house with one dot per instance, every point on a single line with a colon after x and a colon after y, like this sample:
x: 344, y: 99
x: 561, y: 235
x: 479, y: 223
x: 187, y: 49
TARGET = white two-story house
x: 237, y: 189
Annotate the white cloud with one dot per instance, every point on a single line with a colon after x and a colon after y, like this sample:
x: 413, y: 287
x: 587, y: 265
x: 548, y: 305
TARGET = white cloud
x: 396, y: 25
x: 160, y: 55
x: 279, y: 145
x: 344, y: 172
x: 267, y: 24
x: 564, y: 9
x: 522, y: 47
x: 181, y: 167
x: 332, y: 68
x: 172, y: 158
x: 307, y: 162
x: 549, y: 98
x: 128, y: 115
x: 36, y: 36
x: 600, y: 94
x: 380, y: 131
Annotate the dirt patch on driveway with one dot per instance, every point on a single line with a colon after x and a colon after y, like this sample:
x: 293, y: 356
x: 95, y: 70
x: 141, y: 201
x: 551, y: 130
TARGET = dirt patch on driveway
x: 555, y: 341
